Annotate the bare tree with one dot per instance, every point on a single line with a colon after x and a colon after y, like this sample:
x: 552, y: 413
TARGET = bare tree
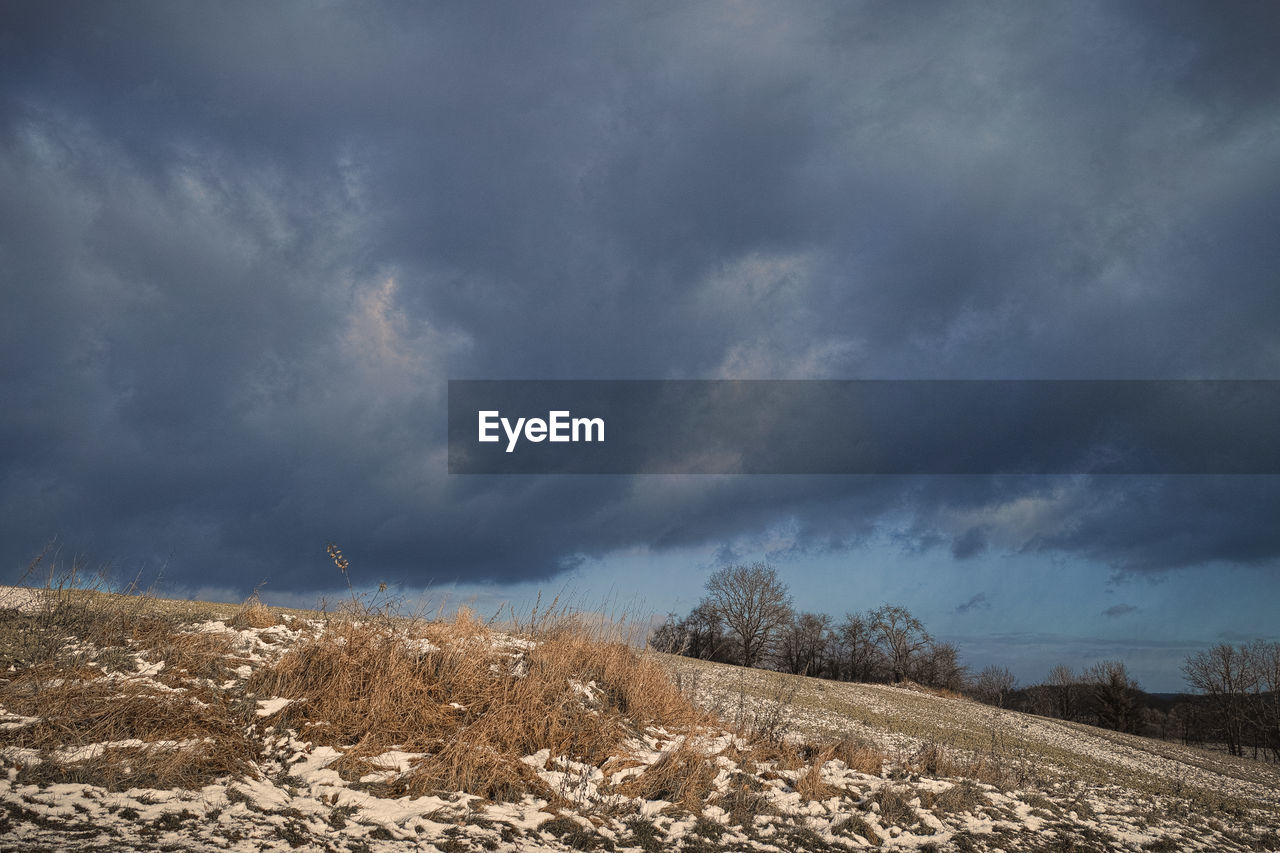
x: 938, y: 665
x: 669, y: 637
x: 1264, y: 707
x: 900, y: 638
x: 753, y: 605
x: 993, y: 685
x: 1240, y: 685
x: 698, y: 635
x: 1223, y: 673
x: 857, y: 648
x: 1065, y: 688
x: 802, y: 647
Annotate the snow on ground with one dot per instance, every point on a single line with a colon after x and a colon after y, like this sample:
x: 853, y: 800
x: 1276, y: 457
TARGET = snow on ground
x: 1084, y: 789
x: 904, y: 719
x: 20, y: 598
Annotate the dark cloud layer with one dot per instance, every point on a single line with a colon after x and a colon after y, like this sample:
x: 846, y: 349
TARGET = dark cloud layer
x: 242, y: 247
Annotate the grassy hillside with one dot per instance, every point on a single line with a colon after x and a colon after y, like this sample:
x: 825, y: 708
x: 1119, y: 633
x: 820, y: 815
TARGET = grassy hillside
x: 135, y: 723
x: 917, y: 721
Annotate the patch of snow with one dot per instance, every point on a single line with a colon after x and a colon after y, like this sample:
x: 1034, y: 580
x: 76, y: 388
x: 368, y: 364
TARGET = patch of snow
x: 267, y: 707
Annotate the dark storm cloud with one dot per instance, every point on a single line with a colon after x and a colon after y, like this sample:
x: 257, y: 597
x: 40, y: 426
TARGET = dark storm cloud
x: 243, y: 246
x: 1117, y: 610
x: 1154, y: 524
x: 977, y: 602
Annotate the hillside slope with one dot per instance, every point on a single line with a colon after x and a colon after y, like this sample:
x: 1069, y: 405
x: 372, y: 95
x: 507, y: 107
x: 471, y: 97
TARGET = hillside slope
x: 164, y: 726
x: 908, y: 720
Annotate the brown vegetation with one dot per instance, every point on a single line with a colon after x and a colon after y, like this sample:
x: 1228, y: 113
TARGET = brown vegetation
x: 474, y: 702
x: 254, y: 614
x: 74, y: 653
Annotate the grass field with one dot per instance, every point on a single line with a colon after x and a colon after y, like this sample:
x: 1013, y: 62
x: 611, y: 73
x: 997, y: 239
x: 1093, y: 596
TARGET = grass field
x: 130, y: 722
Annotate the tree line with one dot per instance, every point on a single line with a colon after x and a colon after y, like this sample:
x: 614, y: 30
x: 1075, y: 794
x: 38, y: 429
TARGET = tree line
x: 747, y: 618
x: 1235, y: 706
x: 1103, y: 695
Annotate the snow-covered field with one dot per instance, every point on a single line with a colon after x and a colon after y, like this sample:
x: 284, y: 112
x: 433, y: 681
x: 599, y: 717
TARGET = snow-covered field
x: 1042, y: 785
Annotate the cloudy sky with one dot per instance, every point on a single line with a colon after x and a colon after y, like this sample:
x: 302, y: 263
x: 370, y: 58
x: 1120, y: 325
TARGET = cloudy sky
x: 243, y: 247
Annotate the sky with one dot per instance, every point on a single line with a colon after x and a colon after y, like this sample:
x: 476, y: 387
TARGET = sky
x: 244, y: 246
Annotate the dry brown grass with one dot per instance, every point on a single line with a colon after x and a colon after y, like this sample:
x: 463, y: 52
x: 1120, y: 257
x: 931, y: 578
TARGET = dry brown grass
x: 857, y: 825
x: 91, y: 619
x: 254, y: 614
x: 744, y: 799
x: 811, y: 785
x: 860, y: 755
x: 936, y: 760
x: 90, y: 728
x: 121, y: 729
x: 187, y: 655
x: 895, y: 807
x: 810, y: 758
x: 683, y: 776
x: 475, y: 702
x: 857, y: 754
x: 964, y: 796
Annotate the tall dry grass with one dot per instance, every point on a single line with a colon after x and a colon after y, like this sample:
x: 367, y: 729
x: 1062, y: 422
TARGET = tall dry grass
x: 254, y: 614
x: 474, y: 700
x: 122, y: 734
x: 73, y: 650
x: 999, y: 766
x: 684, y: 775
x: 67, y: 607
